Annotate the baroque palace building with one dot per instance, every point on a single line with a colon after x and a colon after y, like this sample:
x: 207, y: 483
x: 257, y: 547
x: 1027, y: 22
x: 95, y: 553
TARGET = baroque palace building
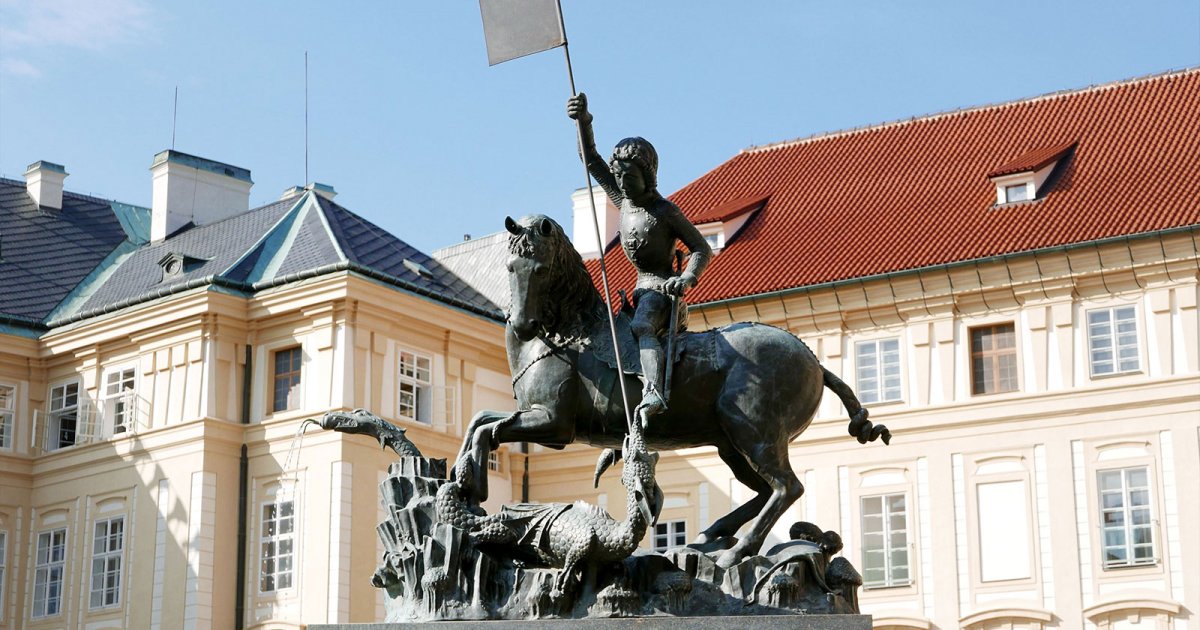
x: 155, y: 365
x: 1012, y: 289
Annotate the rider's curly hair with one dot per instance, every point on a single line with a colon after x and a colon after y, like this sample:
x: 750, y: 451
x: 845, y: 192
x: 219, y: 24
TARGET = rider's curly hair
x: 639, y: 151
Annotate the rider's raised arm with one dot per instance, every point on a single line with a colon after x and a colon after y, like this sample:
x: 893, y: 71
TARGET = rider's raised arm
x: 577, y: 110
x: 701, y: 252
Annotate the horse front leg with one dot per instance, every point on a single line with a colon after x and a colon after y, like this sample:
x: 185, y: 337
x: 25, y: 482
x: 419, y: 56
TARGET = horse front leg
x: 477, y: 443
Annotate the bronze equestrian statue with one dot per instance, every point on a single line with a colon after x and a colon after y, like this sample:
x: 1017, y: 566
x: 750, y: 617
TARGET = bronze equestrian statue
x: 747, y: 389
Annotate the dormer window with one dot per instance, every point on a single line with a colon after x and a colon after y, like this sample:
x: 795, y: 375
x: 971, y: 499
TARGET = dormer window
x: 719, y: 225
x: 175, y: 264
x: 1016, y: 192
x: 1024, y: 178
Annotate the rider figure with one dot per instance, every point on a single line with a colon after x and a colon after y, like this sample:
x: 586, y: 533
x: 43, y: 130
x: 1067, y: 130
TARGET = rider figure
x: 648, y: 230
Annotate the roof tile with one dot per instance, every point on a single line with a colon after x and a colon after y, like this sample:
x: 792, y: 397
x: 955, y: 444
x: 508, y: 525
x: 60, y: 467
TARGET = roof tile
x: 913, y: 194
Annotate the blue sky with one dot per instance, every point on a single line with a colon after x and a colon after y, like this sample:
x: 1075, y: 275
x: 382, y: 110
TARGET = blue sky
x: 418, y: 134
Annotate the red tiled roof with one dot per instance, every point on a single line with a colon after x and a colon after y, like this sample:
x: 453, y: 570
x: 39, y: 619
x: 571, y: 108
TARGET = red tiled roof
x: 916, y: 193
x: 1033, y: 160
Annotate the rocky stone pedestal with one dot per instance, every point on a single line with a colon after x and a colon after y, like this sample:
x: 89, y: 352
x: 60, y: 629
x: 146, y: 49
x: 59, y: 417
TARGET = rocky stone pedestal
x: 749, y: 622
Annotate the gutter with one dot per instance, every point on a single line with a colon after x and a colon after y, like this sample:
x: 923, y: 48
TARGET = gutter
x: 250, y: 288
x: 944, y: 266
x: 22, y: 322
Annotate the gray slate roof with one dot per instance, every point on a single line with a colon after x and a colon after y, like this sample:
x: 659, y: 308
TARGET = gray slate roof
x: 45, y: 253
x: 481, y: 262
x: 97, y: 267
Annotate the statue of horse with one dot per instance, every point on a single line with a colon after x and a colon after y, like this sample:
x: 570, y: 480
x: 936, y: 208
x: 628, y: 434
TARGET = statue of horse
x: 747, y: 389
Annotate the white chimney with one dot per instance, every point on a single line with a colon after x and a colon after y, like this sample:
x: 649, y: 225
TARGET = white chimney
x: 583, y: 235
x: 44, y: 181
x: 194, y: 189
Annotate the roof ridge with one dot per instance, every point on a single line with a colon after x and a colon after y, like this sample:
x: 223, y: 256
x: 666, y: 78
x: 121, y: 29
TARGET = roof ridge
x: 1096, y: 87
x: 79, y: 195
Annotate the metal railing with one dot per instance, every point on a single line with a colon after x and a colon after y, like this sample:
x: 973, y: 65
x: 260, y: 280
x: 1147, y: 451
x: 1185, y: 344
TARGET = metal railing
x: 89, y: 422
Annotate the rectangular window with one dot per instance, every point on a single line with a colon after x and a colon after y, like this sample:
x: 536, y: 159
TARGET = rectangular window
x: 1113, y: 340
x: 286, y: 379
x: 277, y: 540
x: 885, y: 540
x: 48, y: 573
x: 670, y: 534
x: 415, y: 401
x: 993, y: 359
x: 1016, y: 192
x: 64, y: 416
x: 877, y: 370
x: 1125, y: 517
x: 8, y: 411
x: 119, y: 405
x: 494, y: 461
x: 108, y: 548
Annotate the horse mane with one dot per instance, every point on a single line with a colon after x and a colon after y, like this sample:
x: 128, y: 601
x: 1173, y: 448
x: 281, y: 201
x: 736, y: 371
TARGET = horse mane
x: 576, y: 304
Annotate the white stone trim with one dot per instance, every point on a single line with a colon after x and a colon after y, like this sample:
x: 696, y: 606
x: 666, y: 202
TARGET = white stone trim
x: 925, y: 536
x: 198, y: 588
x: 961, y: 552
x: 1082, y: 522
x: 1170, y: 513
x: 1041, y: 487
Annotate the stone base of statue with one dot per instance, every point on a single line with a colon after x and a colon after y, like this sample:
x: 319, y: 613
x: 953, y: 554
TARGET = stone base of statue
x: 472, y: 568
x: 772, y: 622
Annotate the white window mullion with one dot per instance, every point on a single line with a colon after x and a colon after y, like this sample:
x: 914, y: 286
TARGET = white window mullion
x: 1113, y: 340
x: 8, y: 406
x: 277, y: 546
x: 48, y: 573
x: 108, y: 548
x: 877, y: 370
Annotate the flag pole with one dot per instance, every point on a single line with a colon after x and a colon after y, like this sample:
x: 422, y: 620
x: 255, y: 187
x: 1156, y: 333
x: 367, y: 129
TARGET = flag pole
x: 612, y: 322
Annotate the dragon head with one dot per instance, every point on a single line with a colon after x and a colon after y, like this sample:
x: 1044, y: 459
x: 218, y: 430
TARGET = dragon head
x: 638, y: 478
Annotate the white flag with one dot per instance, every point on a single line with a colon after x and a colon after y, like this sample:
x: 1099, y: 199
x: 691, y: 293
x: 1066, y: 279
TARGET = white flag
x: 515, y: 28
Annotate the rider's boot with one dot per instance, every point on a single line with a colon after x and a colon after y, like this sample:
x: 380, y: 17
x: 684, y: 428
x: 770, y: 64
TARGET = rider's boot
x: 653, y: 402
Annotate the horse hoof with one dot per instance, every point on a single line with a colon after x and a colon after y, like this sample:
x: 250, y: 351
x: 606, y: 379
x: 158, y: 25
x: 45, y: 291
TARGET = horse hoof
x: 729, y: 558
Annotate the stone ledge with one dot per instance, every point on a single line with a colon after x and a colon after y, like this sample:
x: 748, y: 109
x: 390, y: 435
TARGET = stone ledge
x: 749, y: 622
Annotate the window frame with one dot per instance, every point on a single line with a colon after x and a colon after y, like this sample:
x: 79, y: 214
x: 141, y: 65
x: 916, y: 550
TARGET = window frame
x: 993, y: 355
x: 878, y: 355
x: 1009, y: 187
x: 1113, y: 347
x: 292, y: 401
x: 8, y: 418
x: 273, y: 539
x: 411, y: 377
x: 675, y: 530
x: 126, y: 400
x: 1151, y: 525
x: 106, y: 556
x: 888, y: 548
x: 48, y: 567
x: 54, y: 416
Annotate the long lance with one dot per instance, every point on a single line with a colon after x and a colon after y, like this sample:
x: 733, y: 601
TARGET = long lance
x: 612, y: 322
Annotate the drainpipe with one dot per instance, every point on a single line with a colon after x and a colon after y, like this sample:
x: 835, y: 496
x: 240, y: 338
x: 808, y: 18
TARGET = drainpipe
x: 243, y: 494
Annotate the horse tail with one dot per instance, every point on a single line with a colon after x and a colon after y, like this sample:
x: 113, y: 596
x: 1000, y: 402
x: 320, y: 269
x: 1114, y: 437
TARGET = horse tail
x: 860, y: 427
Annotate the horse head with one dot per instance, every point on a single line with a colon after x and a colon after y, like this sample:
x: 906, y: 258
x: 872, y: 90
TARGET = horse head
x: 546, y: 277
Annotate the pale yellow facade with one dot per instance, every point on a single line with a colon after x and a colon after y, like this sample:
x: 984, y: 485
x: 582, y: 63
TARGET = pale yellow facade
x: 174, y: 477
x: 1001, y: 525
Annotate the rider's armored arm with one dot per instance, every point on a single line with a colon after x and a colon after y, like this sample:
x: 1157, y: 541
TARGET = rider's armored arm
x: 701, y: 252
x: 595, y: 162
